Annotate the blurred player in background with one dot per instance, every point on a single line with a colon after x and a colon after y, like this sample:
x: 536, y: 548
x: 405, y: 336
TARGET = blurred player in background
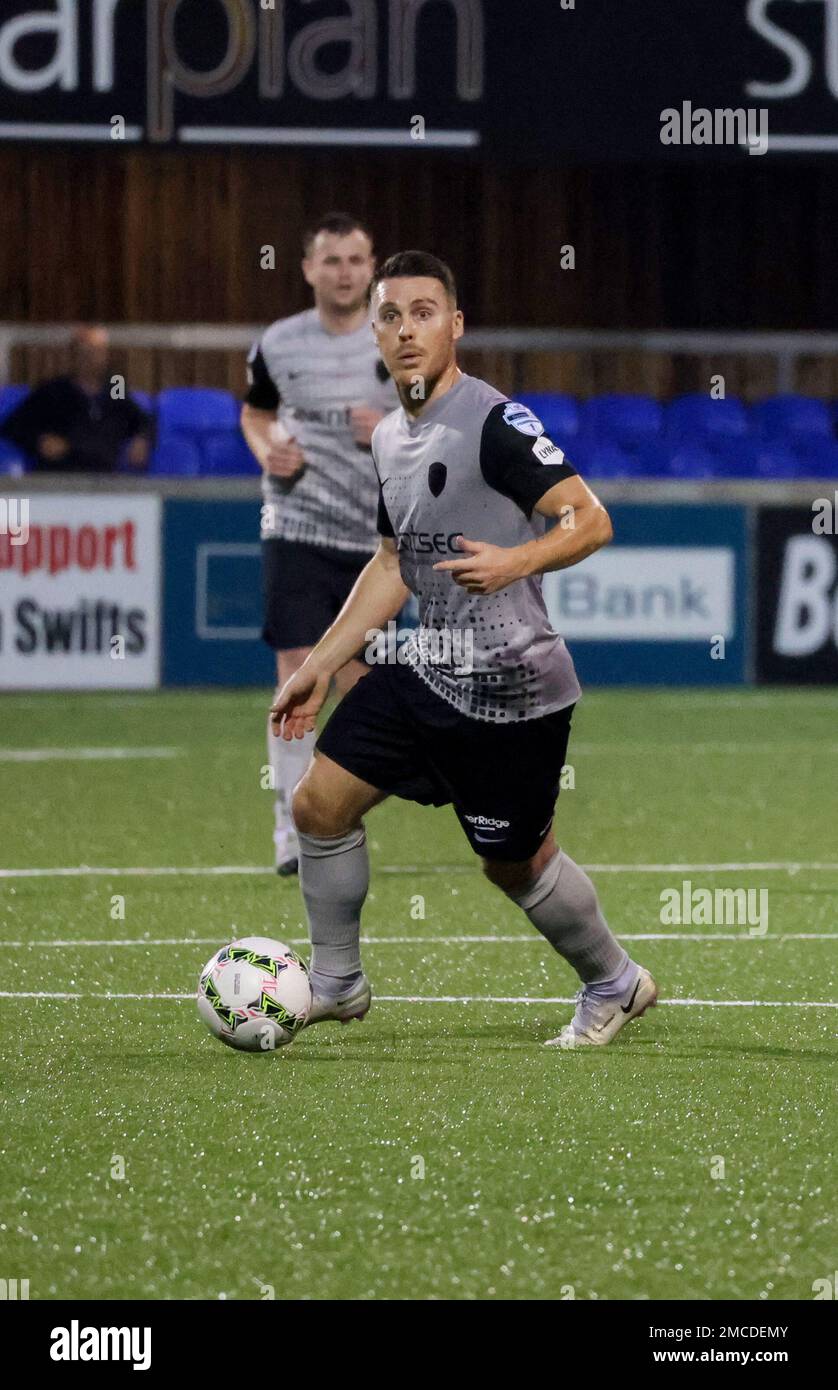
x: 317, y: 389
x: 469, y: 484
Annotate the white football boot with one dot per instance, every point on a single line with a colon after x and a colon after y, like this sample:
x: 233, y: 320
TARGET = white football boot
x: 342, y: 1007
x: 599, y: 1018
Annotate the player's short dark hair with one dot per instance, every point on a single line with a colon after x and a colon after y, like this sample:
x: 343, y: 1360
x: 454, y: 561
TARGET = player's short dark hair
x: 412, y: 263
x: 339, y: 224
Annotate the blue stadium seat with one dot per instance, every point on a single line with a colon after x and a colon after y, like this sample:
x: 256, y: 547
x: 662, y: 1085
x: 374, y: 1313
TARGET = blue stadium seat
x: 176, y: 454
x: 697, y: 419
x: 558, y: 414
x: 818, y: 460
x: 10, y: 399
x: 228, y: 456
x: 693, y: 463
x: 629, y: 422
x: 12, y: 462
x: 196, y: 408
x: 609, y: 461
x: 797, y: 420
x: 803, y: 426
x: 191, y: 421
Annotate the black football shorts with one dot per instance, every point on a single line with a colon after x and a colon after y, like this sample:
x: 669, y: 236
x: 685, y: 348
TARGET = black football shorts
x: 393, y: 732
x: 304, y: 588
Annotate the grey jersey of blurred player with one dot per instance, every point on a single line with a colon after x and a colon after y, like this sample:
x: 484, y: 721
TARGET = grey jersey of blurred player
x: 313, y: 379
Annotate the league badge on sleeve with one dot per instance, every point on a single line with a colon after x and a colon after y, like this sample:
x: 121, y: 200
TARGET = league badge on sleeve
x: 521, y: 418
x: 547, y: 452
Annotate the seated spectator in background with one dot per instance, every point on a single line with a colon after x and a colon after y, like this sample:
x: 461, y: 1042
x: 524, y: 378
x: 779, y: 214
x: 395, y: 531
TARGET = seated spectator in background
x: 73, y: 423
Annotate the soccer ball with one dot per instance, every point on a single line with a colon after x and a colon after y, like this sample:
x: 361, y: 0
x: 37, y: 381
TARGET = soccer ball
x: 255, y: 994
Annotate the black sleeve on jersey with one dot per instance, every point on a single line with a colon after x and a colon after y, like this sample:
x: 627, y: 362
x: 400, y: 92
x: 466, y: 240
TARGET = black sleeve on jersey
x: 385, y: 525
x: 261, y: 388
x: 509, y: 465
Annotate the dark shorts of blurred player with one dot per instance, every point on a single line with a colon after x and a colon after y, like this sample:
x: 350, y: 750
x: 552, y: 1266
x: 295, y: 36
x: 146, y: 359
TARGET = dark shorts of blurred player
x: 304, y: 588
x: 502, y: 779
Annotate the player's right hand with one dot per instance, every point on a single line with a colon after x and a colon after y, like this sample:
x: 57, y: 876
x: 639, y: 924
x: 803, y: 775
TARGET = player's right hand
x: 295, y: 709
x: 284, y: 459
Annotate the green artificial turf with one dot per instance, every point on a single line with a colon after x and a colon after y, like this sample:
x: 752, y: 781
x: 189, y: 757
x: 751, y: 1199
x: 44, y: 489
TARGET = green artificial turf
x: 436, y: 1150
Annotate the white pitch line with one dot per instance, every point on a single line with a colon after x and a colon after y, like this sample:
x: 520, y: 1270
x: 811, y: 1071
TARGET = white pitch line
x: 83, y: 755
x: 232, y: 870
x: 467, y: 999
x: 425, y: 940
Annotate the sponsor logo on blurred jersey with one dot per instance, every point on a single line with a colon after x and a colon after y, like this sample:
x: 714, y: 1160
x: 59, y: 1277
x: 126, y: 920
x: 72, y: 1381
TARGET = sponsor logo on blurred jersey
x: 521, y: 418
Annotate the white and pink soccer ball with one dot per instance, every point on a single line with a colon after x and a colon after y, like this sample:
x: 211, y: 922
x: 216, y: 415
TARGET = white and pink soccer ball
x: 254, y: 994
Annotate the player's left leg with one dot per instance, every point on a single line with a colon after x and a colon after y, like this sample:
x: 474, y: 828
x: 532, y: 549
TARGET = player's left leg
x: 561, y: 902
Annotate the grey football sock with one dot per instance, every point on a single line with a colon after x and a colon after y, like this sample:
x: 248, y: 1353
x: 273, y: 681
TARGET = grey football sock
x: 562, y: 904
x: 334, y: 878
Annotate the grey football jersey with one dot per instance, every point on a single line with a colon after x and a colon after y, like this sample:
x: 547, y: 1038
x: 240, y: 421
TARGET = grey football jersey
x: 474, y: 464
x: 312, y: 378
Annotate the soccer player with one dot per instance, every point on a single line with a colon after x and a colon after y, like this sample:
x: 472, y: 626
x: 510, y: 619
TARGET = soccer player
x: 317, y: 389
x: 479, y: 713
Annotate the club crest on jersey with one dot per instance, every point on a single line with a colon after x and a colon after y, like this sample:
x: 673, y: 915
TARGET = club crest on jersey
x: 437, y: 476
x: 521, y: 418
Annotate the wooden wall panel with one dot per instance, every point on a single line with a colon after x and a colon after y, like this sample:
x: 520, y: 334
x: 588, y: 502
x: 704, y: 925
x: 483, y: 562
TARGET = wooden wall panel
x: 168, y: 235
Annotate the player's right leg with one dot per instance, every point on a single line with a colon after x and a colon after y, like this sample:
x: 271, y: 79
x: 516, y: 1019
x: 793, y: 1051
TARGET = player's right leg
x: 329, y: 805
x: 367, y: 751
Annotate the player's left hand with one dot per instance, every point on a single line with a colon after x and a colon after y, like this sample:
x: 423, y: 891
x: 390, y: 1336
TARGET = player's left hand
x: 363, y: 419
x: 485, y: 568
